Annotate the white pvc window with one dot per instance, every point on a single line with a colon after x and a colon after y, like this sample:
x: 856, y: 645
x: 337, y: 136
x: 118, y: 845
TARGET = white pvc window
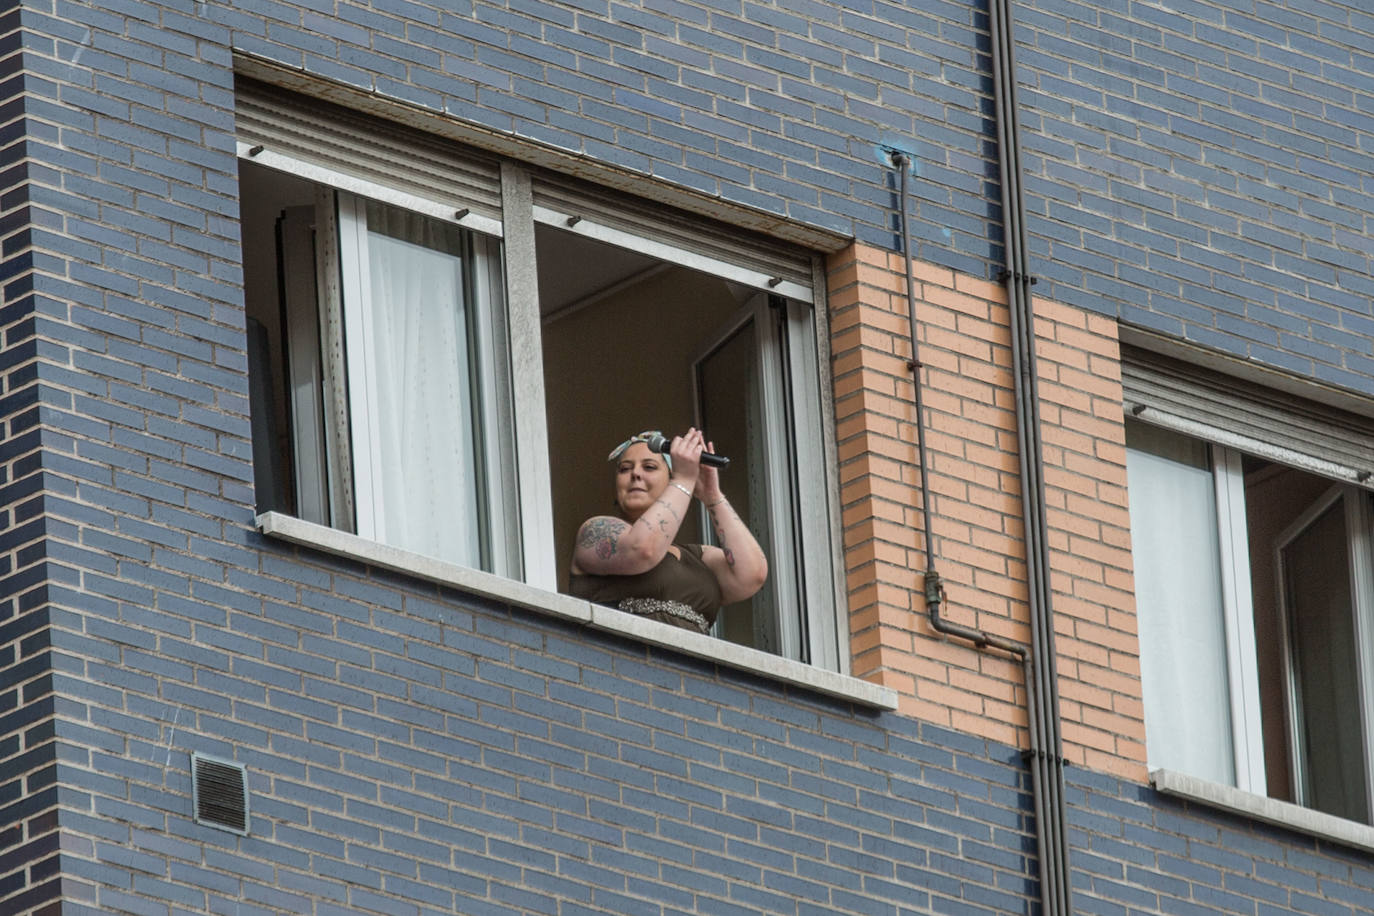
x: 392, y: 364
x: 1189, y: 609
x: 412, y: 288
x: 1324, y: 594
x: 749, y: 378
x: 755, y: 379
x: 1255, y: 608
x: 387, y: 328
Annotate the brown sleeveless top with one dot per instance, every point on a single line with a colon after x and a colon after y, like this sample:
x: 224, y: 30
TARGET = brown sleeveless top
x: 687, y: 580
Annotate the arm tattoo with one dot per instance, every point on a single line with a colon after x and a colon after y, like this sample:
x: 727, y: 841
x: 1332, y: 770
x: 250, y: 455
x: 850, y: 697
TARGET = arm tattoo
x: 665, y: 527
x: 601, y: 535
x: 715, y: 517
x: 720, y: 536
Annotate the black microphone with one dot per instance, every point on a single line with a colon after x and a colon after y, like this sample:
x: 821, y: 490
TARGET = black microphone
x: 661, y: 444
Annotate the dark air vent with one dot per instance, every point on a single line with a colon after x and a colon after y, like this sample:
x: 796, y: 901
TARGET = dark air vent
x: 219, y: 791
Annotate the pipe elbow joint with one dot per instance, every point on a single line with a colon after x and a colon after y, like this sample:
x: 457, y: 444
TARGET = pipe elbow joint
x: 934, y: 590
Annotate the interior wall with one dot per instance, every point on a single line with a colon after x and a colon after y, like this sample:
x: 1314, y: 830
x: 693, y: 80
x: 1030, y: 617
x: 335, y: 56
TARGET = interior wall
x: 264, y: 194
x: 619, y: 366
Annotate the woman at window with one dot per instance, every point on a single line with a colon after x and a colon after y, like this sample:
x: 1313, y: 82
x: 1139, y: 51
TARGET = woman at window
x: 632, y: 562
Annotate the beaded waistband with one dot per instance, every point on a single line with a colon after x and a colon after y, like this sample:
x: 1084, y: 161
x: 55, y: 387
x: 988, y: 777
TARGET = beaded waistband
x: 647, y: 606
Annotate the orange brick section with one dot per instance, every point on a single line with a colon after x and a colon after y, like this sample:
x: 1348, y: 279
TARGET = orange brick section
x: 971, y: 444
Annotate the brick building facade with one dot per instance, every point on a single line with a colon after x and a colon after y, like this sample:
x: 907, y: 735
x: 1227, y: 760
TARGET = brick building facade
x: 204, y: 565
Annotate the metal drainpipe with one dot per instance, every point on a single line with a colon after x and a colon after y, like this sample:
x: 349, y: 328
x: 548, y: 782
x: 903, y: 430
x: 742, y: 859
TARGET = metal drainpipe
x: 1049, y: 762
x: 1045, y: 757
x: 933, y: 588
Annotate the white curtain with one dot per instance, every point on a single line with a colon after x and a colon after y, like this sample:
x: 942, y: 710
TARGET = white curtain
x: 427, y: 472
x: 1180, y: 616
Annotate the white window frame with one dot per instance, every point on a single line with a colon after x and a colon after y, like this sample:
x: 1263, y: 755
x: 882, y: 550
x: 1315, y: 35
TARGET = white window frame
x: 354, y: 267
x: 1238, y: 617
x: 519, y: 494
x: 1243, y: 667
x: 318, y: 489
x: 792, y: 455
x: 1356, y: 516
x: 811, y: 540
x: 341, y: 230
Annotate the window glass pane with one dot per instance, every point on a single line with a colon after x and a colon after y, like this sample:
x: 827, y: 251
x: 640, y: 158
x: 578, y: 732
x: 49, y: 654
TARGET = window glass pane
x: 420, y: 379
x: 1180, y: 615
x: 732, y: 412
x: 1318, y: 597
x: 286, y: 239
x: 268, y: 476
x: 304, y: 379
x: 1276, y: 498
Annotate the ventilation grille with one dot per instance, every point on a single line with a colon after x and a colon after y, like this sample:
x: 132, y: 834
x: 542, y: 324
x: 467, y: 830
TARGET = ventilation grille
x: 220, y: 793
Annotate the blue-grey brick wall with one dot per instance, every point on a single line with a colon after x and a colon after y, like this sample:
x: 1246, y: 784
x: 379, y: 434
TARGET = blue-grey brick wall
x: 1136, y: 851
x: 413, y: 751
x: 1205, y: 170
x: 29, y: 795
x: 1200, y: 169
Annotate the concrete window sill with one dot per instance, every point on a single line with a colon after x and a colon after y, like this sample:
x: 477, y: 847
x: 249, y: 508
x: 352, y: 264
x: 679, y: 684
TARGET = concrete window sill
x: 566, y: 607
x: 1270, y: 810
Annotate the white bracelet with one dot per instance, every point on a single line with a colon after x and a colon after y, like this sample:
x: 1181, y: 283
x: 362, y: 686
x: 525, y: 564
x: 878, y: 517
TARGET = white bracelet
x: 682, y: 488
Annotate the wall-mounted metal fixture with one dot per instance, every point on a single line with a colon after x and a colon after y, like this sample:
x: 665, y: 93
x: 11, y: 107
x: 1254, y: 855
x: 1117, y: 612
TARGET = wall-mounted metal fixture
x: 219, y: 793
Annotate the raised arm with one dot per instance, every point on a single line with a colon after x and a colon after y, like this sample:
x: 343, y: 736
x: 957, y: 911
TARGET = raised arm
x: 636, y: 544
x: 738, y: 563
x: 610, y: 546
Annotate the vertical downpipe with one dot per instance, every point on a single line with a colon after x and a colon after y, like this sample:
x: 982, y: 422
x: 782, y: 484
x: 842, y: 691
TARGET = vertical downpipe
x: 1047, y: 764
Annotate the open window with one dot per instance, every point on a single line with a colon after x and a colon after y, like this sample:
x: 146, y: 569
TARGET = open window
x: 1322, y: 562
x: 443, y: 348
x: 639, y: 336
x: 1254, y: 591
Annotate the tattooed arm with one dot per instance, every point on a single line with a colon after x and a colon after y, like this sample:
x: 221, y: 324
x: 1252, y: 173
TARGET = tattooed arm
x: 739, y: 563
x: 609, y: 546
